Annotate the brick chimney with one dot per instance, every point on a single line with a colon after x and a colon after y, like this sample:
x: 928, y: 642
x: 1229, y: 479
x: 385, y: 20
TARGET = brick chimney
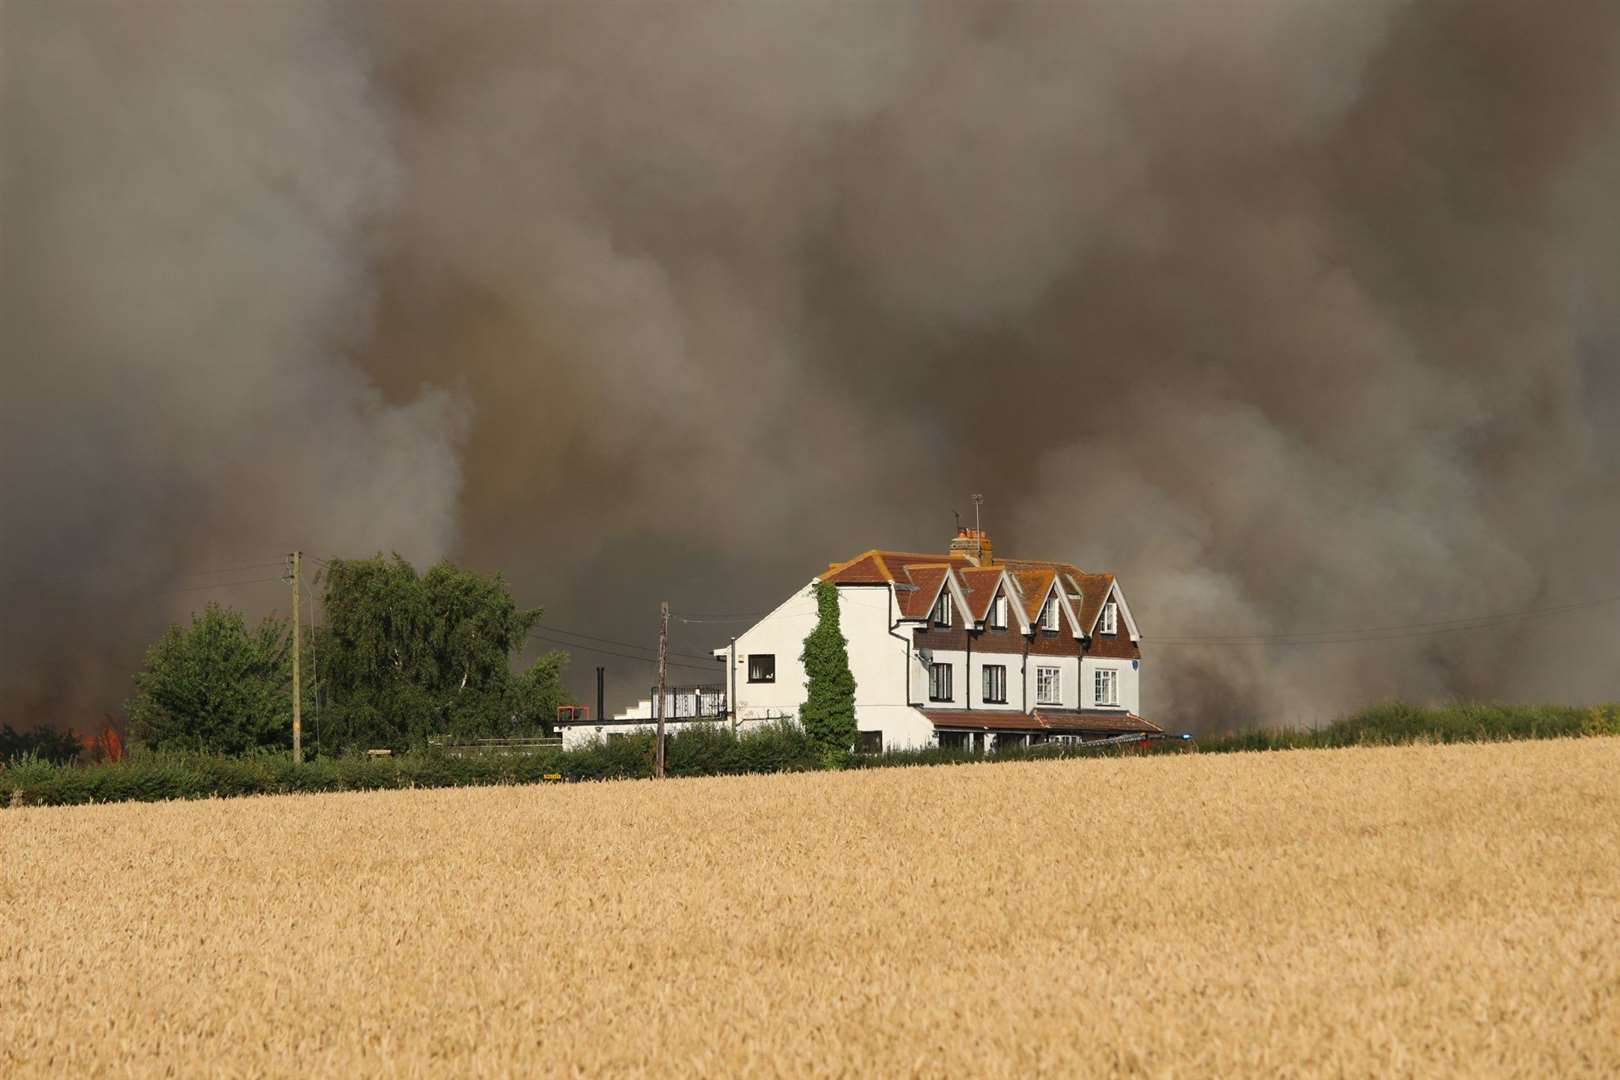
x: 973, y: 545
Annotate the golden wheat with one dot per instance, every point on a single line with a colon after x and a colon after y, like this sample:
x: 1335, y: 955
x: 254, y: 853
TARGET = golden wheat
x: 1420, y: 911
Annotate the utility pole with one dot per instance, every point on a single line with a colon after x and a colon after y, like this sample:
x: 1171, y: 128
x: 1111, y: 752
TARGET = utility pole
x: 663, y: 679
x: 298, y: 644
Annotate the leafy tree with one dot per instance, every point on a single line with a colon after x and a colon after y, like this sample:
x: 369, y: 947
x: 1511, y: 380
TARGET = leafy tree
x: 48, y: 744
x: 216, y: 685
x: 407, y: 656
x: 829, y: 709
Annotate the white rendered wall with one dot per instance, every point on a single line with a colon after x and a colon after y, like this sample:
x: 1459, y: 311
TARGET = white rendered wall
x: 1127, y: 675
x: 876, y: 658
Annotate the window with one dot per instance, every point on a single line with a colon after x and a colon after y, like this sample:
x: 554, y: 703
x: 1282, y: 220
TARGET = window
x: 939, y: 682
x: 1050, y: 616
x: 1048, y: 686
x: 762, y: 667
x: 1109, y: 623
x: 942, y: 610
x: 869, y: 742
x: 998, y: 613
x: 995, y: 684
x: 1107, y: 686
x: 953, y: 740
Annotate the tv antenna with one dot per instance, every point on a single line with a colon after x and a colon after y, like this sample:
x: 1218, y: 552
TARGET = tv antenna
x: 978, y: 527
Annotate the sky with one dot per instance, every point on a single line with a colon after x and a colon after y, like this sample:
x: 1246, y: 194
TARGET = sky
x: 1298, y: 315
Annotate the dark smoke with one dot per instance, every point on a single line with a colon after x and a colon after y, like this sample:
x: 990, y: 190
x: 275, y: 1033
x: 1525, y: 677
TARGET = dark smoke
x: 1298, y: 315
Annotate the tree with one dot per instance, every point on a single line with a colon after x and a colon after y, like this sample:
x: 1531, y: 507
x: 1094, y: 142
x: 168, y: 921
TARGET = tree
x: 58, y: 747
x: 407, y: 656
x: 829, y: 708
x: 216, y: 685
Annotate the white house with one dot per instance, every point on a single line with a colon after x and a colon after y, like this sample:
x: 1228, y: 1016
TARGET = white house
x: 956, y: 649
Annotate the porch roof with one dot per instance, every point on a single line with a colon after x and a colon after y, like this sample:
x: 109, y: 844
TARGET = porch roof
x: 1068, y: 721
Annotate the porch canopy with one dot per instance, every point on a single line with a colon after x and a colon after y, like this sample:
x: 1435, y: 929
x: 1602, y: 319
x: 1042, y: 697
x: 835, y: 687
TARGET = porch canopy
x: 1043, y: 721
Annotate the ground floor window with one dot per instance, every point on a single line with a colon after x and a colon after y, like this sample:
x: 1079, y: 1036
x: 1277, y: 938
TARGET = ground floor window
x: 1048, y: 686
x: 762, y: 667
x: 1107, y: 686
x: 995, y: 684
x: 869, y: 742
x: 1009, y: 741
x: 939, y: 682
x: 953, y: 740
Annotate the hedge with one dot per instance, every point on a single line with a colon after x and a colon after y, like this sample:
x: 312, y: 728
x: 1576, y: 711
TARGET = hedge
x: 712, y: 750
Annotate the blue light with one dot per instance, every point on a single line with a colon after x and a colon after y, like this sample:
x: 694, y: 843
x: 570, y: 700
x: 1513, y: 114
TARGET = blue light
x: 1186, y: 734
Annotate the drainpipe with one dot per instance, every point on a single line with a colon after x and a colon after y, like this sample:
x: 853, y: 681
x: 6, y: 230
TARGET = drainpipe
x: 1024, y: 676
x: 967, y: 676
x: 903, y: 640
x: 731, y: 686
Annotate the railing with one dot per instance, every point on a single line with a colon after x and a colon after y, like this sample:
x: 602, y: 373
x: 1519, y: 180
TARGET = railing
x: 690, y: 702
x: 517, y: 745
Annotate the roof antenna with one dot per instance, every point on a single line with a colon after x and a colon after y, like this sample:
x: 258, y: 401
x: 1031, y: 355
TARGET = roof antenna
x: 958, y: 516
x: 978, y: 528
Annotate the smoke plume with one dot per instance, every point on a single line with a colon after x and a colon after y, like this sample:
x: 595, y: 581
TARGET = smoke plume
x: 1299, y: 316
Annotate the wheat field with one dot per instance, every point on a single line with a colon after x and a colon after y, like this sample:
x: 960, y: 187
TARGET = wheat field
x: 1415, y: 911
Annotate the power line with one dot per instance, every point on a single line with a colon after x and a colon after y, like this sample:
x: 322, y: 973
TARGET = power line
x: 217, y: 585
x: 623, y: 655
x: 1386, y: 633
x: 622, y: 644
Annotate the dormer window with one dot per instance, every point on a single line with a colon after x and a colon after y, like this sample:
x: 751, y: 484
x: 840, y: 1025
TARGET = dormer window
x: 942, y: 609
x: 998, y: 613
x: 1050, y: 616
x: 1109, y: 622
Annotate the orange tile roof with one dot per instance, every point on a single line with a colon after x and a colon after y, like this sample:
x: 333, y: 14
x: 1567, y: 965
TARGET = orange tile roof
x: 923, y: 571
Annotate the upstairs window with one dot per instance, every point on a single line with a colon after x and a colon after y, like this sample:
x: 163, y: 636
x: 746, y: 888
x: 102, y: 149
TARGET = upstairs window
x: 1048, y: 686
x: 1109, y: 623
x: 998, y: 613
x: 939, y: 682
x: 995, y: 684
x: 762, y: 667
x: 1050, y: 616
x: 1107, y: 687
x: 942, y: 609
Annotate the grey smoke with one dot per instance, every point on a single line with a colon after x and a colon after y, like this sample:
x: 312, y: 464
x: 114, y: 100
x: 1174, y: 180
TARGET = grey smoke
x: 1296, y: 315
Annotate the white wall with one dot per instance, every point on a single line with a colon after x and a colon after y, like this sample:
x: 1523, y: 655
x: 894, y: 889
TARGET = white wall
x: 877, y: 659
x: 1128, y: 674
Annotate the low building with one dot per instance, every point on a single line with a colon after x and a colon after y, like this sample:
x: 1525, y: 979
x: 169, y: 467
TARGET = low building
x: 957, y: 649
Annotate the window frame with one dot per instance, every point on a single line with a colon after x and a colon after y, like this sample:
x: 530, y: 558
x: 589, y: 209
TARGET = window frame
x: 1108, y: 622
x: 865, y: 739
x: 942, y: 614
x: 937, y: 669
x: 1051, y: 616
x: 998, y: 612
x: 769, y: 678
x: 1056, y: 672
x: 1109, y: 677
x: 996, y: 673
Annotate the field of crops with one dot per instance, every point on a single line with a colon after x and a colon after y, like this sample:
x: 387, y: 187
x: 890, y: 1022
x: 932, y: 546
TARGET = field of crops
x: 1419, y: 910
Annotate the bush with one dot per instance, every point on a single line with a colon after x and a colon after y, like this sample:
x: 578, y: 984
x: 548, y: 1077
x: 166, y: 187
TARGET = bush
x: 702, y: 750
x: 1395, y: 723
x: 712, y: 750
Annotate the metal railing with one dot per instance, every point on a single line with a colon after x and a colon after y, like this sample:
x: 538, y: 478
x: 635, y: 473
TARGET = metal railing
x: 706, y: 702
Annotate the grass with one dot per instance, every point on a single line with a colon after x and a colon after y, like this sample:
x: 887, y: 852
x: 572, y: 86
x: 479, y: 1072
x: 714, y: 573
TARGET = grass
x: 1424, y: 910
x: 1397, y: 723
x: 713, y: 750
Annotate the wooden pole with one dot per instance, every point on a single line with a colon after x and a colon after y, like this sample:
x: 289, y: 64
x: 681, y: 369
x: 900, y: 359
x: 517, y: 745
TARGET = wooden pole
x: 298, y: 643
x: 663, y: 681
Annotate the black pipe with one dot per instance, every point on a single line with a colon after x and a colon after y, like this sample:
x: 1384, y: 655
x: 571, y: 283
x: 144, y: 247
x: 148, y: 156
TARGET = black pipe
x: 599, y: 672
